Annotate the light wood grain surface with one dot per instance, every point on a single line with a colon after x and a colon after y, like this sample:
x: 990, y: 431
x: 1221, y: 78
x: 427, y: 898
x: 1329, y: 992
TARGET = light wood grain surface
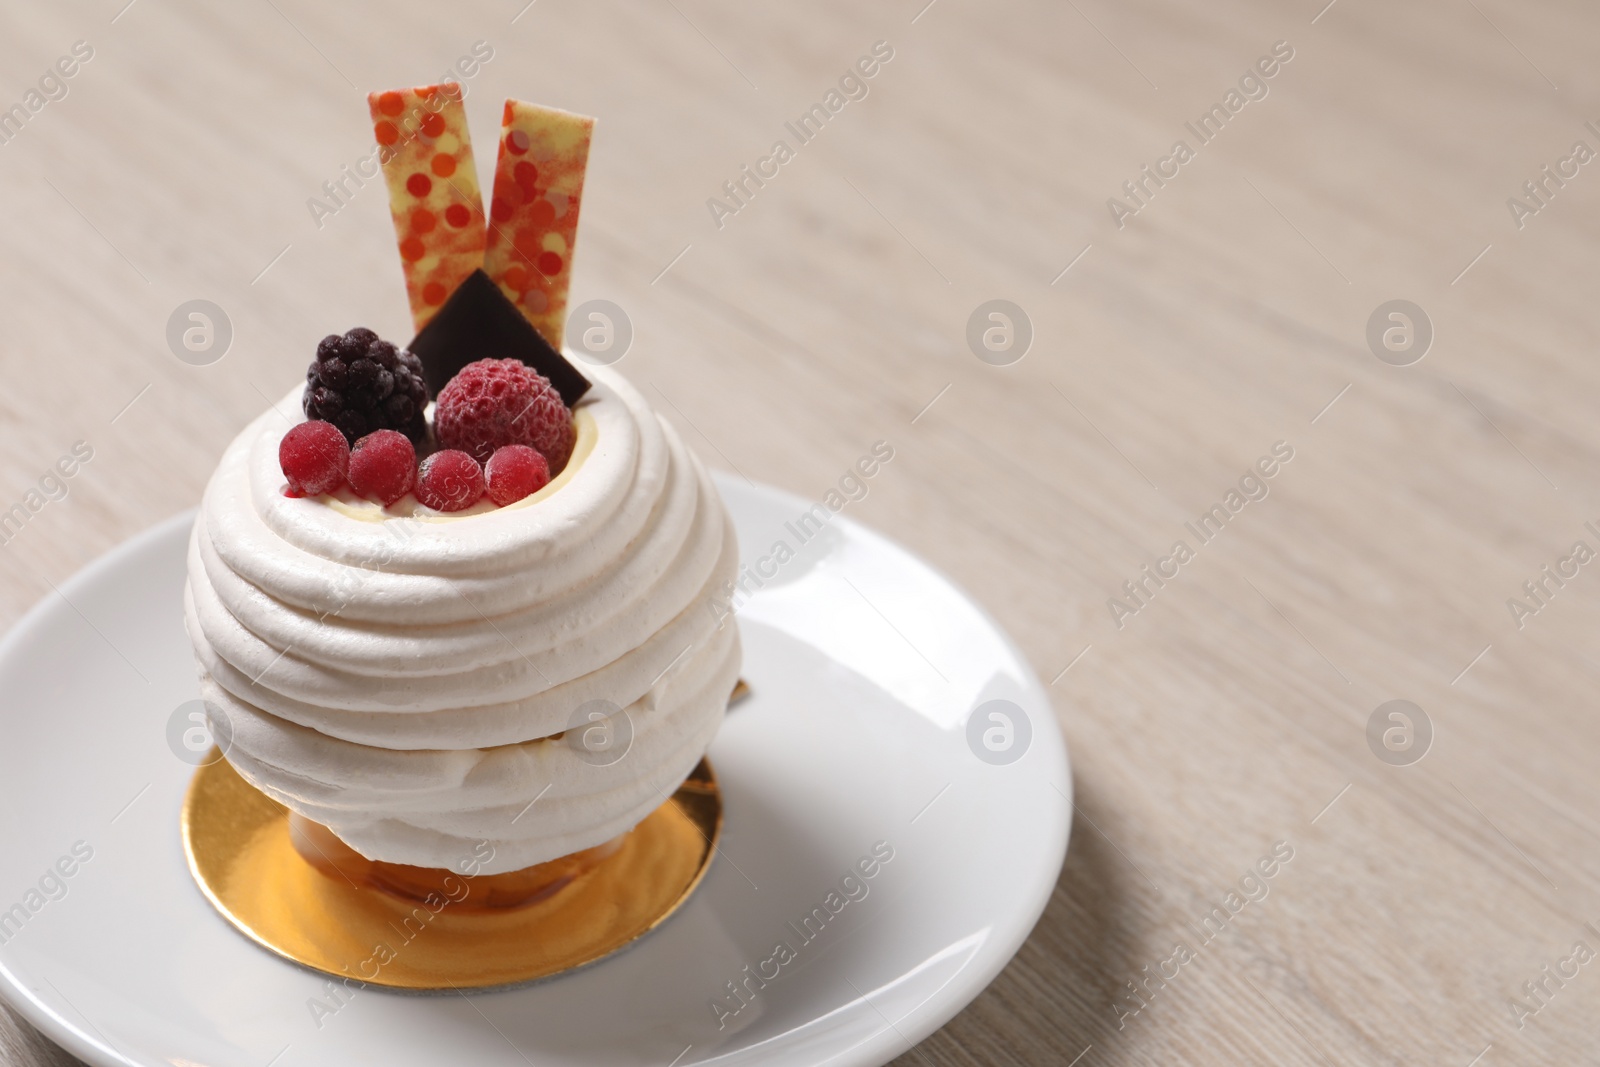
x: 1228, y: 314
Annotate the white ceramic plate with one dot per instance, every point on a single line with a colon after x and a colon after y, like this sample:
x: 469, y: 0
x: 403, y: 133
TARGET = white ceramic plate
x: 866, y: 666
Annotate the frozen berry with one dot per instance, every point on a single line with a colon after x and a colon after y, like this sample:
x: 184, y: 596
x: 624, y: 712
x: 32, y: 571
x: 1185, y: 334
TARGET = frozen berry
x: 362, y: 383
x: 497, y: 402
x: 314, y: 457
x: 450, y: 481
x: 515, y: 471
x: 383, y: 466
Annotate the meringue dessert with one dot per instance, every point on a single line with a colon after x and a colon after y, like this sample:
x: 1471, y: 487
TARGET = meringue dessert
x: 407, y: 678
x: 499, y: 660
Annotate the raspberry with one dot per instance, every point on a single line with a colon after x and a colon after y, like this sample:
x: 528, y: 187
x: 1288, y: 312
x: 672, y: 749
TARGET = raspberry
x: 496, y: 402
x: 314, y: 457
x: 450, y: 481
x: 514, y: 472
x: 383, y: 466
x: 361, y: 383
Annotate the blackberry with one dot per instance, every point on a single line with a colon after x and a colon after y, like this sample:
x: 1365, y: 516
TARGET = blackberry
x: 362, y: 383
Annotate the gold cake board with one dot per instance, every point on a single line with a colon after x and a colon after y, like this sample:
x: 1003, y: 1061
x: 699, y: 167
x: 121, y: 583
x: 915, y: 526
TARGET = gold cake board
x: 239, y: 850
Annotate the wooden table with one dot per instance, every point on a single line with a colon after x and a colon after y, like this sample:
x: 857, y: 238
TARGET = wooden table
x: 1230, y: 312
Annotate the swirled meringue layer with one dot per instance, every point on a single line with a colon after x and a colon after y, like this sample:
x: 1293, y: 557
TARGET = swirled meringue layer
x: 405, y: 678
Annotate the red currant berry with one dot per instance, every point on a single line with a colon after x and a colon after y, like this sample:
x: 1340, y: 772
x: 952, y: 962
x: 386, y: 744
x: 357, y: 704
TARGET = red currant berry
x: 383, y: 466
x: 515, y: 471
x: 450, y: 481
x: 314, y: 457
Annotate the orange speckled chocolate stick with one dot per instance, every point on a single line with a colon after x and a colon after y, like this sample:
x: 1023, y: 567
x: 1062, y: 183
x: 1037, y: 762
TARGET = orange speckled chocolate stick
x: 533, y: 214
x: 433, y: 190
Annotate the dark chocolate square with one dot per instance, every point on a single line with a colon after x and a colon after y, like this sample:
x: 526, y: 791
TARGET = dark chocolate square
x: 478, y: 322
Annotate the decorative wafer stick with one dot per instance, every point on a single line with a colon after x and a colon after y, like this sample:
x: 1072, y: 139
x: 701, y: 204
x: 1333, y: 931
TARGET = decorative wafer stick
x: 433, y: 190
x: 533, y: 214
